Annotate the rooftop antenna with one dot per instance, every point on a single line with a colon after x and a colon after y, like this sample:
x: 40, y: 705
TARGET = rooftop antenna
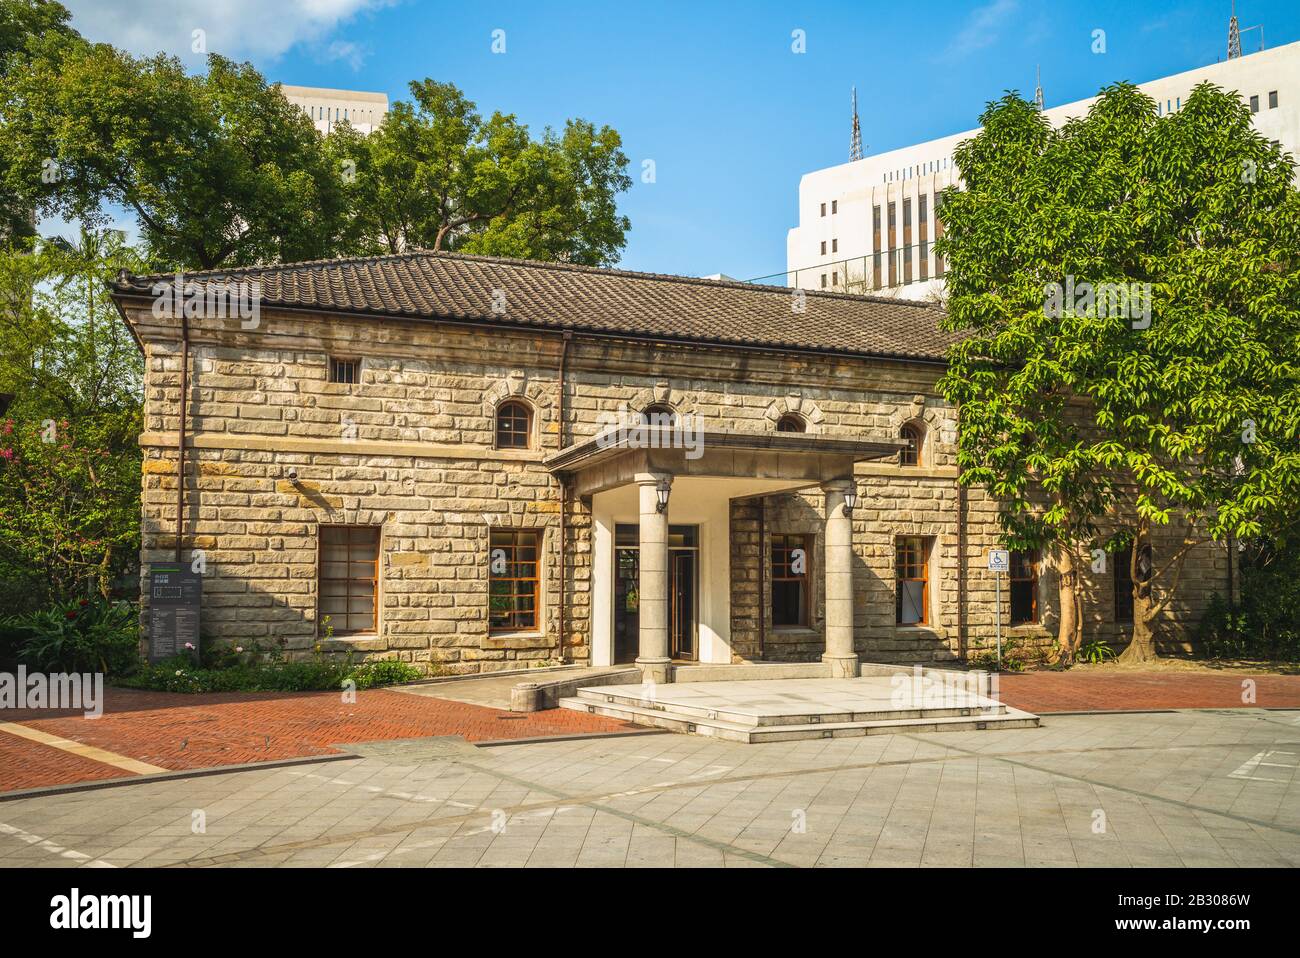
x: 1038, y: 91
x: 855, y: 144
x: 1234, y: 35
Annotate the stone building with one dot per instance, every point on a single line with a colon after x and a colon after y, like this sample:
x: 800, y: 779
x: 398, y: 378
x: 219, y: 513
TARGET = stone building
x: 442, y: 459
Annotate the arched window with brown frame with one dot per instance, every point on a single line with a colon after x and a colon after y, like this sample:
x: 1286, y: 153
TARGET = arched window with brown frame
x: 659, y: 414
x: 914, y: 436
x: 791, y: 422
x: 514, y: 425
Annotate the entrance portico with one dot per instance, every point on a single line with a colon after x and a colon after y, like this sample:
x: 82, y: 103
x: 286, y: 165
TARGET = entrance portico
x: 678, y: 499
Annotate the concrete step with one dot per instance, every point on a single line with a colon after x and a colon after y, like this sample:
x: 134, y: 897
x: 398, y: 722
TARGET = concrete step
x: 633, y: 699
x: 751, y: 734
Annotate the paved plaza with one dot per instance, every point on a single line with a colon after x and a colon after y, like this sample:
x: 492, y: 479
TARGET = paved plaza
x: 1194, y: 788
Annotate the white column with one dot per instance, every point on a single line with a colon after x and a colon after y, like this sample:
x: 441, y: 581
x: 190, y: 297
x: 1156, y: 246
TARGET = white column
x: 839, y: 583
x: 652, y: 655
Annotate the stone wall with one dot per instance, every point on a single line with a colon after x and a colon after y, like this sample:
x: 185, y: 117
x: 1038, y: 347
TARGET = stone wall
x: 410, y: 449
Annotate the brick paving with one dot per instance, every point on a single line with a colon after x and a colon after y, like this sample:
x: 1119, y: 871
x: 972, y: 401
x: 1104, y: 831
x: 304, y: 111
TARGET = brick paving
x: 180, y: 732
x: 183, y: 732
x: 1194, y: 788
x: 1081, y: 691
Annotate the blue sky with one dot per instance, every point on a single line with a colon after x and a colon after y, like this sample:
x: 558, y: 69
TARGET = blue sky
x: 711, y: 92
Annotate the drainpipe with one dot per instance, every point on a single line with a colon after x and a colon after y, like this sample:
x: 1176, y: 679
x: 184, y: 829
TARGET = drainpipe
x: 961, y: 568
x: 762, y: 579
x: 180, y: 441
x: 564, y: 494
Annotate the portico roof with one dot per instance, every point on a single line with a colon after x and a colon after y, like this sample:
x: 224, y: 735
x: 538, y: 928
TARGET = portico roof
x: 615, y: 457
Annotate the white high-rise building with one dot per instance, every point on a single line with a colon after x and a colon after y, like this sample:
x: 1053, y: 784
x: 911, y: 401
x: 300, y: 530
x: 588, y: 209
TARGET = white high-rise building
x: 869, y: 226
x: 365, y: 111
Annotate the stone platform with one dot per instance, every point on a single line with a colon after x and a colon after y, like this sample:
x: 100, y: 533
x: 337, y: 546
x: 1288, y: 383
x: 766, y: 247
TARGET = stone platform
x: 783, y: 710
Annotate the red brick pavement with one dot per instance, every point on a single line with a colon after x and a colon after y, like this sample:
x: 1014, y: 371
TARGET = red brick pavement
x: 181, y: 732
x: 1080, y: 691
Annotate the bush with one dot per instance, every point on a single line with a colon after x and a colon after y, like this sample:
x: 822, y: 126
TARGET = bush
x: 1266, y: 622
x: 84, y: 635
x: 316, y: 675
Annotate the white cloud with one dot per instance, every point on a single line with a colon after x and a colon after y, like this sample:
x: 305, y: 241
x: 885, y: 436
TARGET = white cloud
x: 240, y: 29
x: 982, y: 28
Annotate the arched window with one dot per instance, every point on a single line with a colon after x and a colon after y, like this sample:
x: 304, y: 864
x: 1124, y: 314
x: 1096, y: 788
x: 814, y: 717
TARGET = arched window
x: 791, y: 422
x: 659, y: 414
x: 514, y: 425
x: 914, y: 436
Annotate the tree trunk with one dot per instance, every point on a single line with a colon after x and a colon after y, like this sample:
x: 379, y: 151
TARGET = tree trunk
x: 1070, y: 635
x: 1143, y: 646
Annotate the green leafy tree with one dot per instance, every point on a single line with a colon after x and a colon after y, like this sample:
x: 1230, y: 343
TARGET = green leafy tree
x: 219, y: 169
x: 21, y: 21
x: 438, y: 176
x: 1127, y: 287
x: 69, y: 460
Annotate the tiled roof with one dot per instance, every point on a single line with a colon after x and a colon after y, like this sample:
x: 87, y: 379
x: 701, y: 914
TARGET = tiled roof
x: 426, y: 285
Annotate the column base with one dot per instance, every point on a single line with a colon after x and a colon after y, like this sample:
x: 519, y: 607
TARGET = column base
x: 842, y: 666
x: 658, y: 671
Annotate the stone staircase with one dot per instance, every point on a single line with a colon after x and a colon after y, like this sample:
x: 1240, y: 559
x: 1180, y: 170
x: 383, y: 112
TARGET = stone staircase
x: 794, y: 709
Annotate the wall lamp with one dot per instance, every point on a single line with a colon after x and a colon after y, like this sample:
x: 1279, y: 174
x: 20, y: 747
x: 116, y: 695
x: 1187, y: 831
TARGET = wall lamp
x: 850, y: 499
x: 662, y: 489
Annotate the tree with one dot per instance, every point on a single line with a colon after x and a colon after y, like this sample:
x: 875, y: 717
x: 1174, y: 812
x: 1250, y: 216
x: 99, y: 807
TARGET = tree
x: 21, y: 21
x: 219, y: 169
x: 1128, y: 290
x: 69, y: 459
x: 437, y: 175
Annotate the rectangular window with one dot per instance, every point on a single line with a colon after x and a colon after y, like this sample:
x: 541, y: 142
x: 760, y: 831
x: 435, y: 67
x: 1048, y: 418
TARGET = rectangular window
x: 790, y: 562
x: 823, y: 280
x: 939, y: 265
x: 1254, y: 104
x: 823, y: 247
x: 907, y: 241
x: 1123, y: 584
x: 348, y: 561
x: 875, y: 245
x: 345, y: 370
x: 835, y: 246
x: 835, y: 206
x: 512, y: 589
x: 1024, y: 587
x: 892, y: 219
x: 912, y: 568
x: 823, y: 209
x: 1272, y: 100
x: 923, y: 235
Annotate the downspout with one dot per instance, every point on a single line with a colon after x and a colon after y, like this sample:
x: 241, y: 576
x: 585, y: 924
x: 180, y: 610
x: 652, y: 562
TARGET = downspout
x: 180, y: 442
x: 762, y: 579
x: 564, y: 495
x: 1232, y: 597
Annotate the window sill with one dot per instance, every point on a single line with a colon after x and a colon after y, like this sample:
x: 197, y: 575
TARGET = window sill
x: 794, y: 630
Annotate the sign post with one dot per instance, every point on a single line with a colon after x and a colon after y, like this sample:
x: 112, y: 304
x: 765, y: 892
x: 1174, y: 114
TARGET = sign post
x: 999, y: 562
x: 175, y: 595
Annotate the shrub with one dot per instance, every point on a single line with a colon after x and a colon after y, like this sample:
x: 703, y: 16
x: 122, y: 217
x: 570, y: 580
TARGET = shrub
x: 315, y: 675
x: 1266, y: 621
x: 84, y: 635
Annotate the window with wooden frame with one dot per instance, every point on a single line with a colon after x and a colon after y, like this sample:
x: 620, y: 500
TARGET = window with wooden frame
x: 1024, y: 587
x: 513, y: 591
x: 514, y: 425
x: 659, y: 414
x: 912, y: 570
x: 914, y: 436
x: 1123, y: 579
x: 791, y: 598
x: 348, y: 579
x: 345, y: 370
x: 791, y: 422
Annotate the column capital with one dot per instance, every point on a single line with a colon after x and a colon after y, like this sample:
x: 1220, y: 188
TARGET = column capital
x: 652, y: 478
x: 837, y: 485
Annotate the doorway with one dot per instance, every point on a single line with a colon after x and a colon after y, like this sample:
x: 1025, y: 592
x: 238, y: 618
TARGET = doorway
x: 683, y: 593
